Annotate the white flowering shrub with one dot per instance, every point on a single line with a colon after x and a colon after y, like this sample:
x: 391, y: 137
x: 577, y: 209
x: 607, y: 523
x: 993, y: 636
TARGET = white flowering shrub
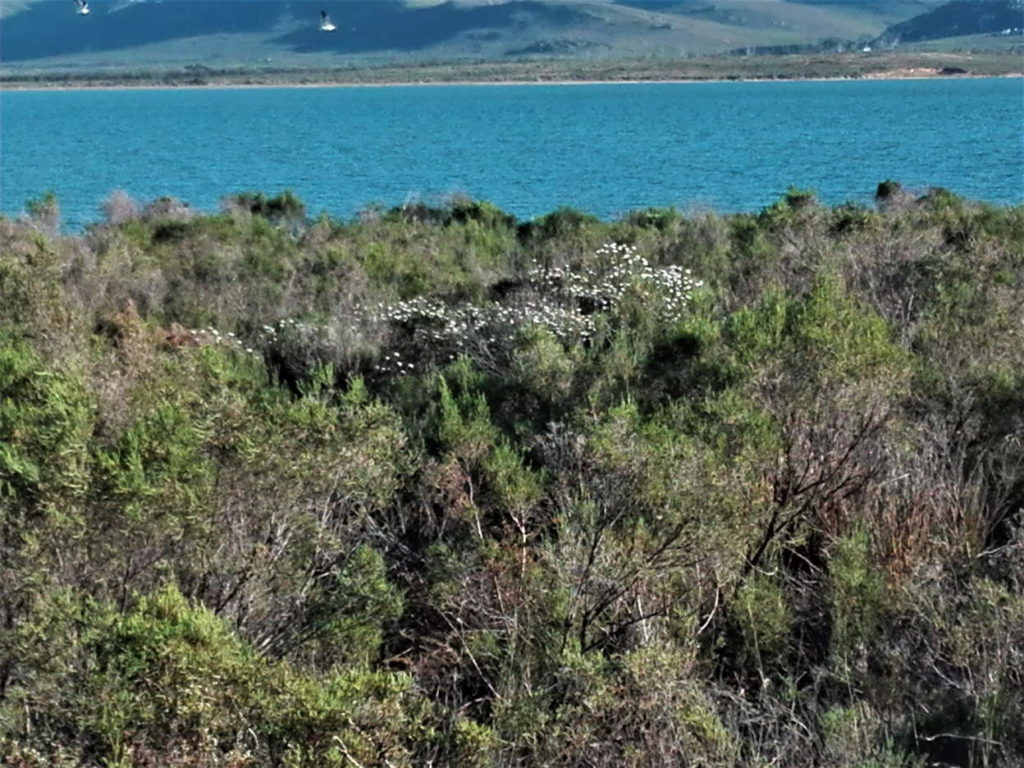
x: 569, y: 302
x: 293, y: 350
x: 615, y: 272
x: 566, y: 301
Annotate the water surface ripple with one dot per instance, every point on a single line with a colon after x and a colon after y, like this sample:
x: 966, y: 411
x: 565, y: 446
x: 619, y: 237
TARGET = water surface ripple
x: 603, y: 148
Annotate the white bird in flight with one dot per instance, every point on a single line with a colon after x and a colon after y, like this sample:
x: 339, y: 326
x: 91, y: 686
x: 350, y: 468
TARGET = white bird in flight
x: 325, y: 22
x: 83, y: 7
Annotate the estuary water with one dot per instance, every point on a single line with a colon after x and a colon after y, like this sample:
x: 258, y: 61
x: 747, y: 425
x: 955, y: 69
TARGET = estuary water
x: 602, y: 148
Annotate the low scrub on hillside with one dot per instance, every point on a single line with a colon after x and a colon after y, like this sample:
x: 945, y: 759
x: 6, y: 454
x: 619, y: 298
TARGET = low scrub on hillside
x: 439, y: 487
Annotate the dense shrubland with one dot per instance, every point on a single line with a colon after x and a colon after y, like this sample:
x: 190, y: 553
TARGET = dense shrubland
x: 436, y: 487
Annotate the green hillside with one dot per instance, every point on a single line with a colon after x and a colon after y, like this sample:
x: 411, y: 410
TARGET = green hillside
x: 960, y: 18
x: 125, y: 34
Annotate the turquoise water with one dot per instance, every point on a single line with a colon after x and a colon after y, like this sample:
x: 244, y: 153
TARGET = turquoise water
x: 604, y: 149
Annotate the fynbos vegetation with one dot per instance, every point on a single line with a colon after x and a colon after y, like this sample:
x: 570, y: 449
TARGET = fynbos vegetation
x: 436, y: 487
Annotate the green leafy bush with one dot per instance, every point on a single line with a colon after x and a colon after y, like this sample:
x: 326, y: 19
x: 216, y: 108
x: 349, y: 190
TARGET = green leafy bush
x: 438, y: 487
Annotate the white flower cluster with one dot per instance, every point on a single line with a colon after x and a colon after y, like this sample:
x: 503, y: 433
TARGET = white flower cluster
x: 465, y: 326
x: 393, y: 363
x: 615, y: 271
x: 265, y: 337
x: 565, y: 301
x: 269, y: 334
x: 210, y: 335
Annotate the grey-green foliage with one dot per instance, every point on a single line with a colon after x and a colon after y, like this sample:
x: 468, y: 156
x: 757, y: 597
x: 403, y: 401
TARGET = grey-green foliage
x: 772, y: 519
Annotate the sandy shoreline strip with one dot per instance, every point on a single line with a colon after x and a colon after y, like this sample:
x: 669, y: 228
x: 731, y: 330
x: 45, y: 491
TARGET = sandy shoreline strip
x: 227, y: 84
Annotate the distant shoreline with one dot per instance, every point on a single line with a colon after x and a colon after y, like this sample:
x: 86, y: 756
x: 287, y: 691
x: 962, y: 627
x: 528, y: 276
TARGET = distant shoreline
x: 23, y: 86
x: 782, y: 68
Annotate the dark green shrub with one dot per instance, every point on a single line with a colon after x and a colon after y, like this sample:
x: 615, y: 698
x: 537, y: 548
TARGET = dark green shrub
x: 285, y: 208
x: 887, y: 190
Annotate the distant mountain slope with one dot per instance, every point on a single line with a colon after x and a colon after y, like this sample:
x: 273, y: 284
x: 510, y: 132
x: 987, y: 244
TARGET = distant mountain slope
x: 957, y: 18
x: 114, y: 34
x: 376, y: 26
x: 50, y: 29
x: 809, y: 22
x: 143, y: 33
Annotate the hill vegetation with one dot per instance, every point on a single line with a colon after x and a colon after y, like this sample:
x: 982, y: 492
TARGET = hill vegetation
x: 961, y: 18
x: 440, y: 487
x: 883, y: 64
x: 138, y: 33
